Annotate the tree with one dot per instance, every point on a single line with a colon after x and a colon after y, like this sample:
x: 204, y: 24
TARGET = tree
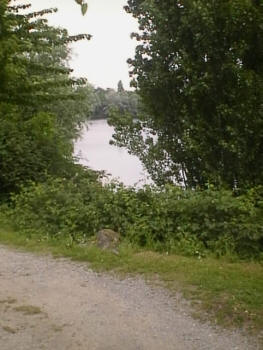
x: 35, y: 59
x: 120, y: 87
x: 41, y: 104
x: 106, y: 100
x: 199, y: 71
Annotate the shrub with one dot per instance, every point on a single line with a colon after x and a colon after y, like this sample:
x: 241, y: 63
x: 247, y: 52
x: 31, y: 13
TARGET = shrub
x: 188, y: 221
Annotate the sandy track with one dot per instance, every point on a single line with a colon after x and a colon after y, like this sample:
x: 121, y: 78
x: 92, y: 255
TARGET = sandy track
x: 56, y: 304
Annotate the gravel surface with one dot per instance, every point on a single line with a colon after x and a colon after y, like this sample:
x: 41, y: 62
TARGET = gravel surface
x: 56, y: 304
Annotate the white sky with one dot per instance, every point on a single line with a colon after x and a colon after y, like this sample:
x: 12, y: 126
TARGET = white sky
x: 102, y: 60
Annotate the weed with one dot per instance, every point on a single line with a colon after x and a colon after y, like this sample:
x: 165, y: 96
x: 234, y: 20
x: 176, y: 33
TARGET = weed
x: 57, y: 328
x: 9, y: 300
x: 28, y: 309
x: 9, y: 329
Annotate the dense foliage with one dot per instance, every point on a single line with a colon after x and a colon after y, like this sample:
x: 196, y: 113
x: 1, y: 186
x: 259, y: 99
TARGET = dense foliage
x: 106, y: 99
x: 41, y: 105
x: 171, y: 219
x: 199, y: 71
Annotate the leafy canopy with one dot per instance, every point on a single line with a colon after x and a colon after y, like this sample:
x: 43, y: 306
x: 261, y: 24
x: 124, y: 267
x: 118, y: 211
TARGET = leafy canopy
x: 198, y: 68
x: 41, y: 103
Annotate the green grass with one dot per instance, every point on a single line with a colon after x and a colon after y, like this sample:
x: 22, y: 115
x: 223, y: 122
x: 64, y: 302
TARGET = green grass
x: 228, y: 293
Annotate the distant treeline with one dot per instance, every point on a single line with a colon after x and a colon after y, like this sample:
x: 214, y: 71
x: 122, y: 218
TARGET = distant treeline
x: 105, y: 99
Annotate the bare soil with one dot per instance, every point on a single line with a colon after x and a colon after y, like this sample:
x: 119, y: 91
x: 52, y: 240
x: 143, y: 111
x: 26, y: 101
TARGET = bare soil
x: 48, y: 303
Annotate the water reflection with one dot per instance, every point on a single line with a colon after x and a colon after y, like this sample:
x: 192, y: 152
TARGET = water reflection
x: 94, y: 150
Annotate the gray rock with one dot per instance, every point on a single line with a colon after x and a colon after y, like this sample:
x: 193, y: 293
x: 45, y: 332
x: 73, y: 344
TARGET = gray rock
x: 108, y: 239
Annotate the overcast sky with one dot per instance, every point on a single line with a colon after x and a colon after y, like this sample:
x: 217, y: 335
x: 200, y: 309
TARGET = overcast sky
x: 102, y: 59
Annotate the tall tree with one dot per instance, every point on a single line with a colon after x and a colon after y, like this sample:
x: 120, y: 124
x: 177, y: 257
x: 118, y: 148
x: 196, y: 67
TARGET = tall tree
x: 199, y: 71
x: 36, y: 129
x: 105, y: 100
x: 120, y: 87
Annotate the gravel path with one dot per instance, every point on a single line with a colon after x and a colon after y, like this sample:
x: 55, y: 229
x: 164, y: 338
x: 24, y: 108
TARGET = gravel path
x: 56, y: 304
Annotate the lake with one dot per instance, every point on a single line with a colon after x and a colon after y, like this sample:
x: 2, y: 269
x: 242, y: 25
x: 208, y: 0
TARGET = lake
x: 94, y: 150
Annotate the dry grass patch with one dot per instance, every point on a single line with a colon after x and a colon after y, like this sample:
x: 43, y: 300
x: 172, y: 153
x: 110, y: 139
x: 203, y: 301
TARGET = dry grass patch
x: 28, y: 309
x: 9, y: 329
x: 8, y: 301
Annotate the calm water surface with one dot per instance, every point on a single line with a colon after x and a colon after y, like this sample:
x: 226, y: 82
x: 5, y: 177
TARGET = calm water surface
x: 94, y: 150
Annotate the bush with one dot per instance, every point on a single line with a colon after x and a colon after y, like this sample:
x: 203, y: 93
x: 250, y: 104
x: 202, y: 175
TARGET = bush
x: 172, y: 219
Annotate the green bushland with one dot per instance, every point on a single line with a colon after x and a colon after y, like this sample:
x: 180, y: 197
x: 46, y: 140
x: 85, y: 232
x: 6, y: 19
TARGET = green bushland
x: 170, y: 219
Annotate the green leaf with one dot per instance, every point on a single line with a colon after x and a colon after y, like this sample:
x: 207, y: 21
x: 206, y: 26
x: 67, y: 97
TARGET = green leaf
x: 84, y: 8
x: 79, y: 2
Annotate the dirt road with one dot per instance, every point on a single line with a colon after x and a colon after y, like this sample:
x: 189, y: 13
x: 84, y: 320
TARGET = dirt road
x: 56, y: 304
